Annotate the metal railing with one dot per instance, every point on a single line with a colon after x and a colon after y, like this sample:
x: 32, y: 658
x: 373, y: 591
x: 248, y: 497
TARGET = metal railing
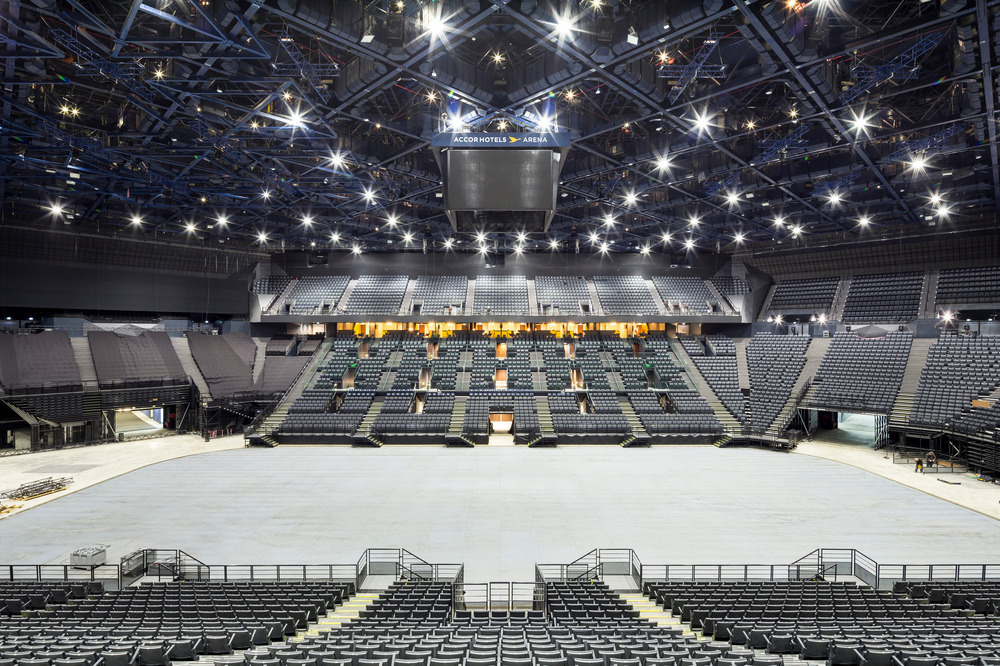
x: 109, y: 574
x: 731, y: 572
x: 499, y: 596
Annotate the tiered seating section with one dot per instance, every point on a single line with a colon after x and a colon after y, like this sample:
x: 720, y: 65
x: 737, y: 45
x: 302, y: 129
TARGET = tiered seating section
x: 624, y: 295
x: 959, y: 369
x: 685, y: 295
x: 862, y: 374
x: 314, y: 294
x: 813, y: 295
x: 378, y: 295
x: 501, y: 295
x: 883, y: 298
x: 774, y: 363
x: 563, y: 295
x: 968, y: 286
x: 717, y: 364
x: 933, y: 624
x: 70, y: 624
x: 439, y: 295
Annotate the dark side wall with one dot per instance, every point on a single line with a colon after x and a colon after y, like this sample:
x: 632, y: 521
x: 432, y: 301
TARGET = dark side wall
x: 27, y: 284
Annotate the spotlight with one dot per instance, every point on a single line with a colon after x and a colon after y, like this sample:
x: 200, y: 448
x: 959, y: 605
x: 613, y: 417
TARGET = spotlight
x: 565, y: 26
x: 644, y: 249
x: 864, y: 221
x: 262, y: 237
x: 408, y: 237
x: 631, y: 197
x: 702, y: 122
x: 335, y: 237
x: 694, y: 221
x: 221, y: 220
x: 633, y: 36
x: 689, y: 243
x: 136, y: 220
x: 662, y: 163
x: 307, y: 220
x: 56, y: 209
x: 609, y: 220
x: 739, y: 237
x: 733, y: 198
x: 393, y: 220
x: 554, y: 244
x: 356, y: 249
x: 918, y: 164
x: 666, y: 237
x: 604, y: 248
x: 448, y: 243
x: 190, y: 227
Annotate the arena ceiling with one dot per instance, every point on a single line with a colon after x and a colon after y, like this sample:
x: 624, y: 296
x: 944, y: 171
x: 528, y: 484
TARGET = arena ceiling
x: 296, y: 123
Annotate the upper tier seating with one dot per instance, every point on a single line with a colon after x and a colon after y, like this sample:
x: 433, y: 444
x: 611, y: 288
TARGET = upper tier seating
x: 37, y: 360
x: 731, y: 285
x: 814, y: 294
x: 377, y: 294
x: 148, y: 356
x: 774, y: 363
x: 685, y: 294
x: 862, y: 374
x: 440, y: 294
x: 271, y: 284
x: 562, y: 295
x: 501, y: 295
x: 883, y: 298
x: 317, y: 294
x: 624, y: 295
x: 958, y: 370
x: 966, y: 286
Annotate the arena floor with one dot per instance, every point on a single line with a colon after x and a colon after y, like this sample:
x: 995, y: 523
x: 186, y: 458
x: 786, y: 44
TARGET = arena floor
x: 501, y: 510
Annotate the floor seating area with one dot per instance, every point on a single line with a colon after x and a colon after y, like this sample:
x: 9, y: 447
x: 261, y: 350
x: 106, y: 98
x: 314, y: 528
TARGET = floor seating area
x: 862, y: 373
x: 811, y: 295
x: 685, y: 295
x: 774, y: 363
x: 501, y: 295
x: 562, y: 295
x: 883, y: 298
x: 962, y: 287
x: 959, y: 369
x: 624, y: 295
x: 439, y: 294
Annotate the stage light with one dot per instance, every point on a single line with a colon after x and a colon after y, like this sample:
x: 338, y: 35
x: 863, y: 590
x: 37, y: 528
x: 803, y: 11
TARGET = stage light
x: 521, y: 236
x: 554, y: 244
x: 796, y: 230
x: 369, y: 196
x: 307, y: 220
x: 436, y: 26
x: 393, y: 220
x: 335, y: 237
x: 356, y: 249
x: 221, y: 220
x: 662, y: 163
x: 337, y: 160
x: 565, y: 26
x: 136, y: 220
x: 262, y: 237
x: 864, y: 221
x: 694, y: 221
x: 666, y: 237
x: 448, y: 243
x: 644, y: 249
x: 609, y: 220
x: 407, y: 237
x: 834, y: 198
x: 480, y: 236
x: 733, y: 198
x: 689, y: 243
x: 190, y: 227
x: 631, y: 197
x: 604, y: 248
x: 56, y: 209
x: 702, y: 122
x: 266, y: 194
x: 918, y: 164
x: 739, y: 237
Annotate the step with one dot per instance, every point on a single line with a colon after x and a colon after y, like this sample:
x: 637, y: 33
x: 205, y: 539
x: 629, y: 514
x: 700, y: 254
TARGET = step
x: 347, y: 612
x: 649, y: 610
x: 84, y: 359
